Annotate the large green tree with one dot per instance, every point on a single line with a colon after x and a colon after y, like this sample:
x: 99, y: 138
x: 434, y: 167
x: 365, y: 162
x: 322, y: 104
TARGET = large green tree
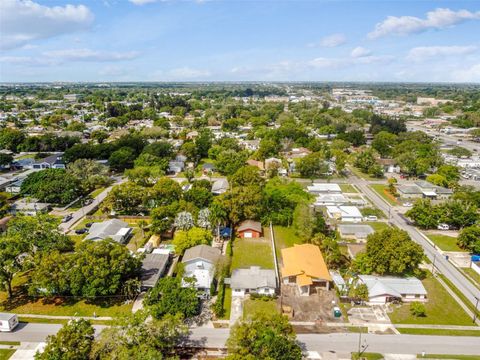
x: 264, y: 337
x: 469, y: 239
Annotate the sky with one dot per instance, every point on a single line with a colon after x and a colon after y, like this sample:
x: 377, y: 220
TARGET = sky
x: 239, y: 40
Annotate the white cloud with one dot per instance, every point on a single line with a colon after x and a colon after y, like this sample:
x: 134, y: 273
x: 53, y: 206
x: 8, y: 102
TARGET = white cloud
x: 359, y: 52
x: 470, y: 74
x: 332, y: 40
x: 437, y: 19
x: 25, y: 20
x: 422, y: 53
x: 89, y: 55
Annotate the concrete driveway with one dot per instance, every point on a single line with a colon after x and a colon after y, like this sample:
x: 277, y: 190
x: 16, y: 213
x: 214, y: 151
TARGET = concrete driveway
x: 373, y: 314
x: 236, y: 310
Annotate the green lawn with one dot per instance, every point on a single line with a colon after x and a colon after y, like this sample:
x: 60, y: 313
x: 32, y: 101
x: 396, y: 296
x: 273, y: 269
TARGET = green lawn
x: 439, y: 332
x: 367, y: 356
x: 445, y: 242
x: 259, y: 306
x: 347, y: 188
x: 227, y: 303
x: 441, y: 308
x: 450, y: 357
x: 473, y: 276
x: 6, y: 353
x: 459, y: 294
x: 250, y: 252
x: 380, y: 189
x: 96, y: 192
x: 285, y: 237
x: 377, y: 225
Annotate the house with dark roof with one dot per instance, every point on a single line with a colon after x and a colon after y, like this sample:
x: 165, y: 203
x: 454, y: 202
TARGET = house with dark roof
x: 50, y: 162
x: 250, y: 229
x: 154, y: 266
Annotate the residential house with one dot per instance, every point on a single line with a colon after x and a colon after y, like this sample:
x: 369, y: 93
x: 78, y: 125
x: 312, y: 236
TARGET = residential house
x: 50, y: 162
x: 257, y: 164
x: 253, y: 280
x: 250, y: 229
x: 114, y: 229
x: 154, y: 266
x: 324, y: 188
x: 354, y: 232
x: 384, y: 289
x: 303, y: 266
x: 29, y: 207
x: 389, y: 165
x: 331, y: 200
x: 251, y: 145
x: 220, y: 186
x: 175, y: 167
x: 344, y: 213
x: 208, y: 168
x: 199, y: 262
x: 423, y: 189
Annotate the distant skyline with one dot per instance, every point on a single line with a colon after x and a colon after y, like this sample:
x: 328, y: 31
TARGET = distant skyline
x: 242, y: 40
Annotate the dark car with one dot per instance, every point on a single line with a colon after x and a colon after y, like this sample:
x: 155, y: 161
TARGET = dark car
x: 81, y: 231
x: 88, y: 224
x: 87, y: 202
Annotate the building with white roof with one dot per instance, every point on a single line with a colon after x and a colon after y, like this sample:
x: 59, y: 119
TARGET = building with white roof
x: 384, y: 289
x: 253, y: 280
x: 324, y: 188
x: 344, y: 213
x: 114, y: 229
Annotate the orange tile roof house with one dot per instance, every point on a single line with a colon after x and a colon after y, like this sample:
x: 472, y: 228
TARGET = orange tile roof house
x: 304, y: 266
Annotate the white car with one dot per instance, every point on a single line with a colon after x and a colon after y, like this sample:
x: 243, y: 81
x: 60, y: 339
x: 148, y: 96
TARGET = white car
x: 443, y: 227
x: 371, y: 218
x: 407, y: 204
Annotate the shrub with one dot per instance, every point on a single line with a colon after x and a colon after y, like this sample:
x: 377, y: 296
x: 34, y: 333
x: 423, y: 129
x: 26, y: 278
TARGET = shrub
x: 417, y: 309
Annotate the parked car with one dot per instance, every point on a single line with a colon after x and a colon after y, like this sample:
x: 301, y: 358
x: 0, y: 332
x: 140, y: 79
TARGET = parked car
x: 67, y: 218
x: 407, y: 204
x: 371, y: 218
x: 88, y: 225
x: 81, y: 231
x: 443, y: 227
x: 8, y: 322
x: 87, y: 202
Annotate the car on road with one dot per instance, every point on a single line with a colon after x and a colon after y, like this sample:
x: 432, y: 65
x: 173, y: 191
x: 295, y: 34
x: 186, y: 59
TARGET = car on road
x: 87, y: 202
x: 8, y: 322
x: 67, y: 218
x: 81, y: 231
x: 407, y: 204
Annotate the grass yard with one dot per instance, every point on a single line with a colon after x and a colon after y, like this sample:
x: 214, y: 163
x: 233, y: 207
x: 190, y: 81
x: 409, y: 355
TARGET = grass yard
x: 450, y: 357
x: 473, y: 275
x: 251, y: 252
x: 445, y: 242
x: 458, y: 293
x: 96, y: 192
x: 377, y: 225
x: 6, y: 353
x: 227, y: 303
x: 367, y: 356
x: 441, y: 308
x: 252, y: 307
x: 381, y: 190
x: 284, y: 237
x: 439, y: 332
x: 347, y: 188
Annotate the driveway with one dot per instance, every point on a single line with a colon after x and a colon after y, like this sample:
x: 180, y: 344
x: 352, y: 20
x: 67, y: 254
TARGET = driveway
x: 373, y: 314
x: 236, y: 311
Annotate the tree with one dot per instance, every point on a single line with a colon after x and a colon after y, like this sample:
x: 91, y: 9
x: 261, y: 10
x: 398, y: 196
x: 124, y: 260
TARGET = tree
x: 450, y: 172
x: 5, y: 159
x: 11, y: 247
x: 437, y: 179
x: 73, y: 341
x: 163, y: 217
x: 459, y: 151
x: 303, y: 221
x: 417, y: 309
x: 126, y: 198
x: 165, y: 192
x: 185, y: 239
x: 135, y: 337
x: 144, y: 175
x: 390, y: 251
x: 55, y: 186
x: 263, y: 337
x: 424, y: 214
x: 458, y: 214
x: 91, y: 174
x: 122, y: 159
x: 365, y: 161
x: 359, y: 292
x: 168, y: 297
x: 245, y: 176
x: 4, y: 204
x: 313, y: 165
x: 384, y: 142
x: 229, y: 161
x: 11, y: 138
x: 469, y: 239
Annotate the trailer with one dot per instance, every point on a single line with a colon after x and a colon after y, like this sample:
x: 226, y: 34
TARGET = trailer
x: 8, y: 322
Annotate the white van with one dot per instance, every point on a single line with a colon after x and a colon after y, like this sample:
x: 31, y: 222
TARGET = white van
x: 443, y: 227
x: 8, y: 322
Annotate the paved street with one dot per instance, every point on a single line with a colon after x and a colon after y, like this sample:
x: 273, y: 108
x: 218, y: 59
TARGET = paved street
x: 210, y: 337
x: 446, y: 138
x: 80, y: 213
x: 447, y: 269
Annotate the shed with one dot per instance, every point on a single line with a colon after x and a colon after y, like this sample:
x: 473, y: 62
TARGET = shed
x: 250, y: 229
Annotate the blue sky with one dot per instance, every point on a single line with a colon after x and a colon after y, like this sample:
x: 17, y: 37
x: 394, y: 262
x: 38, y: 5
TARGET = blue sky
x: 267, y: 40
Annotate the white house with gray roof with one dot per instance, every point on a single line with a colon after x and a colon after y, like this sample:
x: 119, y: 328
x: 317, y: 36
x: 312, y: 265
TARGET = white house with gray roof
x: 199, y: 262
x: 253, y: 280
x: 384, y: 289
x: 114, y: 229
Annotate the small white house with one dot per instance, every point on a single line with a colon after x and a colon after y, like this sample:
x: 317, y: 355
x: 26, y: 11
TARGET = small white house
x: 199, y: 262
x: 384, y: 289
x: 114, y: 229
x: 8, y: 322
x: 324, y: 188
x: 344, y: 213
x: 253, y: 280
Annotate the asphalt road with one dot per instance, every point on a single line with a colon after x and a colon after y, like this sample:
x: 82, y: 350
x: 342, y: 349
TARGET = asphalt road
x: 442, y: 265
x: 447, y: 139
x: 215, y: 338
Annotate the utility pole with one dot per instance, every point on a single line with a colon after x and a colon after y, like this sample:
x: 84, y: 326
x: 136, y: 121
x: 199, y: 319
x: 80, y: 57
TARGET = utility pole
x: 475, y: 312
